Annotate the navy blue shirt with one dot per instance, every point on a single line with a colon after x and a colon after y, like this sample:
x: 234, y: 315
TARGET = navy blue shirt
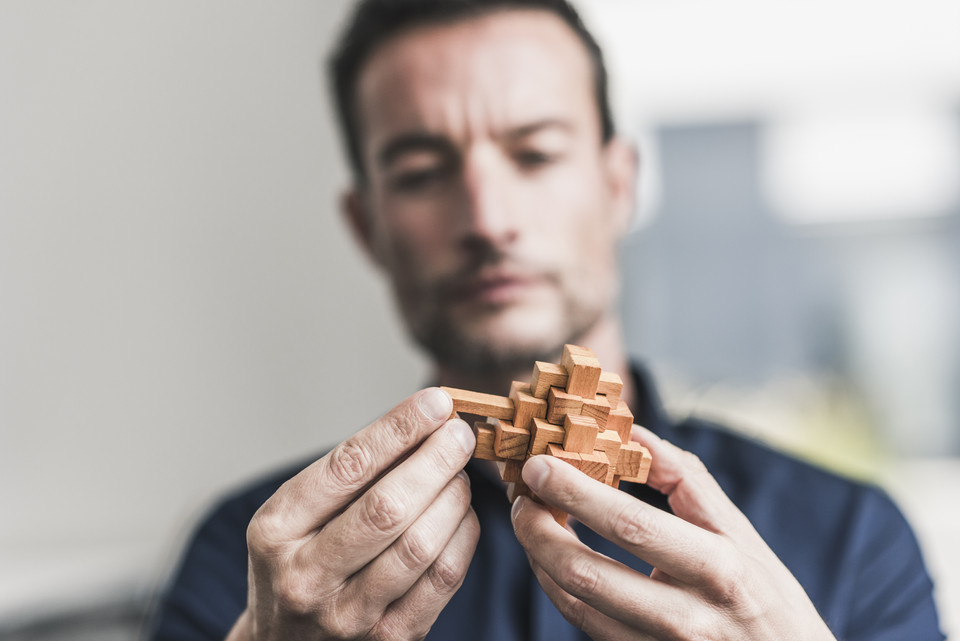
x: 846, y: 543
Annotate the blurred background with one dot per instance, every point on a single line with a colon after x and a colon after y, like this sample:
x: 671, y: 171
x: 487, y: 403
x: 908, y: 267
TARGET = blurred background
x: 182, y: 308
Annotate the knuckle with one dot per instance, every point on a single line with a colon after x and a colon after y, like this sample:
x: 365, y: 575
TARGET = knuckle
x: 382, y: 511
x: 416, y: 549
x: 633, y: 525
x: 692, y: 462
x: 404, y: 428
x: 726, y: 585
x: 445, y: 574
x: 293, y: 595
x: 265, y: 532
x: 339, y: 627
x: 580, y: 577
x: 347, y: 464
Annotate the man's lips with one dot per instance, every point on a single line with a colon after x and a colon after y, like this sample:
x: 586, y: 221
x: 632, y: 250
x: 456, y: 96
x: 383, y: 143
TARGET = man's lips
x: 494, y: 289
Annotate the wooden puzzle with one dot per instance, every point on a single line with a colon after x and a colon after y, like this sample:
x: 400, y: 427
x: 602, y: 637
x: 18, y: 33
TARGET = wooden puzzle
x: 571, y: 410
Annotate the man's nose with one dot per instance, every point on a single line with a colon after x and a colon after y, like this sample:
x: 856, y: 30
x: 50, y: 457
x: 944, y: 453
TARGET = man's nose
x: 487, y: 213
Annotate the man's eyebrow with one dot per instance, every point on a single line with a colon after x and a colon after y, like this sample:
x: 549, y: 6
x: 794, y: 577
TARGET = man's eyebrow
x: 531, y: 128
x: 411, y: 142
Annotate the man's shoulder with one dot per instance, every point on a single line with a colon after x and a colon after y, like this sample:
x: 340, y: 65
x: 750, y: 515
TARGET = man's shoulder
x: 743, y: 459
x: 789, y: 500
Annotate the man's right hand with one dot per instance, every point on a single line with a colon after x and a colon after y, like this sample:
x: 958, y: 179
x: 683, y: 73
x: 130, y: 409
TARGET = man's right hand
x: 372, y: 540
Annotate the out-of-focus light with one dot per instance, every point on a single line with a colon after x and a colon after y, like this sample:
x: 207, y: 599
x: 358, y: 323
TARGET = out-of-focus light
x: 862, y: 165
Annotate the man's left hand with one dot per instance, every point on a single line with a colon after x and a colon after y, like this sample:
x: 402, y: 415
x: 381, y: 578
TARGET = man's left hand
x: 714, y: 577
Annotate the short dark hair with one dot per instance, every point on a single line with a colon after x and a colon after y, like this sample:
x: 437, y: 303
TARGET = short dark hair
x: 375, y: 21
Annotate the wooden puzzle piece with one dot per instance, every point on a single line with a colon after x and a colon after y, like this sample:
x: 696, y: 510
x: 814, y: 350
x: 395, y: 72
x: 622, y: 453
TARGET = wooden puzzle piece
x: 583, y: 371
x: 579, y: 434
x: 598, y: 408
x: 572, y: 411
x: 528, y: 406
x: 560, y: 403
x: 610, y: 386
x: 545, y: 376
x: 480, y: 404
x: 510, y: 442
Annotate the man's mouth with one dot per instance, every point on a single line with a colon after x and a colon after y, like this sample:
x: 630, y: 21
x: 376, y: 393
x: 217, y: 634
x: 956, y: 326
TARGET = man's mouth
x: 492, y: 289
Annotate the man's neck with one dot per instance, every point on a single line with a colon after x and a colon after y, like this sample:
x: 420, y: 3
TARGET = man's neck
x: 605, y: 339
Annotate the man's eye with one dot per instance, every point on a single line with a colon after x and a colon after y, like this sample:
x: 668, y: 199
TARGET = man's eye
x: 418, y: 180
x: 533, y: 159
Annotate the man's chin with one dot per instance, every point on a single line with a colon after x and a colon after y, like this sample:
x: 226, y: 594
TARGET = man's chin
x: 494, y: 343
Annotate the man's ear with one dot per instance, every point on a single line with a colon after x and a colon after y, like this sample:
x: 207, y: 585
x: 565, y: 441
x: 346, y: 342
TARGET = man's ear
x: 622, y: 163
x: 354, y: 208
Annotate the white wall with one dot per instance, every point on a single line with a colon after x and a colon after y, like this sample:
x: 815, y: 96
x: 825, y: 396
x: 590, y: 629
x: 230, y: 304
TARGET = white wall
x: 180, y: 305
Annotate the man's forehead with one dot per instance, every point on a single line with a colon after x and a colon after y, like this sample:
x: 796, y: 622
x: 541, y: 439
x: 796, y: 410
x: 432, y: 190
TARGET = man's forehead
x: 501, y: 71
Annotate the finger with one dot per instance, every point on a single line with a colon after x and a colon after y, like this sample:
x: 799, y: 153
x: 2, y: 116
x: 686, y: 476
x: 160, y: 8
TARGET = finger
x: 312, y: 497
x: 384, y: 511
x: 694, y: 495
x: 393, y: 573
x: 597, y: 625
x: 658, y: 537
x: 413, y: 614
x: 606, y: 585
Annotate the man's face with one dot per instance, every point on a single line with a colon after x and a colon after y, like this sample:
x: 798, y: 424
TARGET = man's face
x: 491, y: 201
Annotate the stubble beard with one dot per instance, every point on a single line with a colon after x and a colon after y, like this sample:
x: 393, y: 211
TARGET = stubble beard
x: 478, y: 350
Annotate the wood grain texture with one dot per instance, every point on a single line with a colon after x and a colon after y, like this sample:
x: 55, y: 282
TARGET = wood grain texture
x: 583, y: 371
x: 510, y: 470
x: 598, y: 408
x: 580, y: 434
x: 608, y: 441
x: 633, y: 464
x: 559, y: 404
x: 573, y: 458
x: 595, y: 465
x: 480, y: 404
x: 611, y: 386
x: 546, y: 375
x: 485, y: 433
x: 541, y: 434
x: 527, y: 407
x: 510, y: 442
x: 621, y: 420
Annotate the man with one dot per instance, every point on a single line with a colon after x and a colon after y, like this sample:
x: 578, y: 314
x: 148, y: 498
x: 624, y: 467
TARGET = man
x: 491, y: 189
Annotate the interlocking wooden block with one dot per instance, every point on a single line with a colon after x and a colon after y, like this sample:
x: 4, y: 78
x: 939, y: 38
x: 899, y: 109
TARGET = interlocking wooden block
x: 621, y: 420
x: 595, y: 465
x: 573, y: 458
x: 517, y: 488
x: 488, y: 405
x: 633, y: 464
x: 608, y: 442
x: 598, y: 408
x: 510, y: 471
x: 527, y: 405
x: 583, y: 371
x: 510, y: 442
x: 545, y: 376
x: 486, y: 435
x: 580, y: 434
x: 611, y: 386
x: 559, y: 404
x: 542, y: 434
x: 571, y: 410
x: 558, y: 515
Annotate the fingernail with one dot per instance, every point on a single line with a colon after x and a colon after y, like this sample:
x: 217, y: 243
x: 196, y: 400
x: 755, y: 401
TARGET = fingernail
x: 463, y: 434
x: 436, y: 404
x: 463, y: 474
x: 535, y: 472
x: 517, y: 506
